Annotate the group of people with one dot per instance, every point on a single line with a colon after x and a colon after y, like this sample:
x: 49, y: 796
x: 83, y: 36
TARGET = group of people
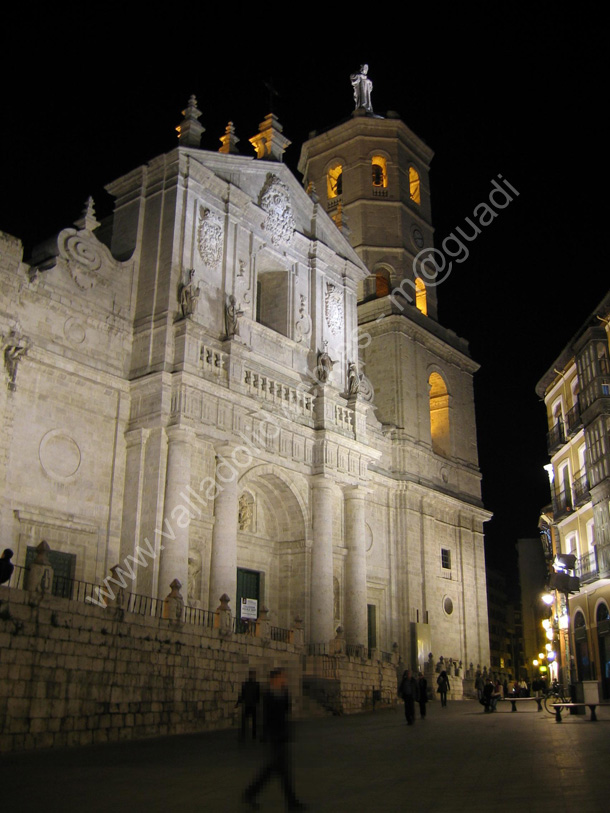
x: 415, y: 690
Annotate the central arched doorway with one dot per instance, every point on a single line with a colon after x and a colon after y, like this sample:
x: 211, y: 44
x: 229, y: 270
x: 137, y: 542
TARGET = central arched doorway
x: 272, y: 560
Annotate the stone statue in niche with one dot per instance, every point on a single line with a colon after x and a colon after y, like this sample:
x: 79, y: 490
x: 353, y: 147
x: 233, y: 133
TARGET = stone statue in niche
x: 363, y: 87
x: 353, y: 378
x: 245, y: 514
x: 15, y: 348
x: 194, y: 580
x: 232, y: 316
x: 189, y: 295
x: 325, y: 365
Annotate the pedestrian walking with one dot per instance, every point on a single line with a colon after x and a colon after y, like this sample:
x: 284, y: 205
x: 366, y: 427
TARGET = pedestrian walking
x: 6, y: 566
x: 442, y: 682
x: 422, y: 691
x: 249, y: 698
x: 409, y: 692
x: 278, y: 735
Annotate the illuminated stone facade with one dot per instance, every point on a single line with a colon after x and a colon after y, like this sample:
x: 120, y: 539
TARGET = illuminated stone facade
x: 215, y: 378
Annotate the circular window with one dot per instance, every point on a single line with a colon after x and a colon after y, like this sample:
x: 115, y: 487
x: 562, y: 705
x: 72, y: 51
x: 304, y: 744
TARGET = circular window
x: 448, y: 605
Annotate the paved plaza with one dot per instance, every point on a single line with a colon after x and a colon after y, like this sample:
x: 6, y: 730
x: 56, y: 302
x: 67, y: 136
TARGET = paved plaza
x: 457, y: 759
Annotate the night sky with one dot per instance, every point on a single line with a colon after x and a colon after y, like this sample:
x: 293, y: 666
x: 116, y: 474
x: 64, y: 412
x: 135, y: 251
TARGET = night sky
x: 509, y: 92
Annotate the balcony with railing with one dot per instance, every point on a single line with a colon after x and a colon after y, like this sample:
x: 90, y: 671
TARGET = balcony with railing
x: 580, y: 488
x: 556, y: 437
x: 573, y: 420
x: 562, y: 504
x: 586, y: 567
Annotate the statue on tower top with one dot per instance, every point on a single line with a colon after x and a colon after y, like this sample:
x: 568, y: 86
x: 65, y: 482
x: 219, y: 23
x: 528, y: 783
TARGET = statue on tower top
x: 363, y: 87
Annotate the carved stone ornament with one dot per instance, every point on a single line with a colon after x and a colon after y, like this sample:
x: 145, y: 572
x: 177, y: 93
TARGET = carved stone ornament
x: 334, y: 308
x: 84, y: 256
x: 365, y: 390
x: 275, y: 201
x: 209, y: 237
x: 302, y: 328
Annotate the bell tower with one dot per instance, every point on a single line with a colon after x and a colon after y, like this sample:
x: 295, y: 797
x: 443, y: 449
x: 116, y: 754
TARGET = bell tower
x: 371, y: 174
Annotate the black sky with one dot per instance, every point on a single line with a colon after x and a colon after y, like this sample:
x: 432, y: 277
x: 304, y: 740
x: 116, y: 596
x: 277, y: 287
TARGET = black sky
x: 509, y: 91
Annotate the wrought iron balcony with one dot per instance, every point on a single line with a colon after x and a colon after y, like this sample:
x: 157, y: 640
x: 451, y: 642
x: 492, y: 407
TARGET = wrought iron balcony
x: 586, y: 567
x: 580, y: 487
x: 573, y: 420
x: 562, y: 504
x: 556, y: 437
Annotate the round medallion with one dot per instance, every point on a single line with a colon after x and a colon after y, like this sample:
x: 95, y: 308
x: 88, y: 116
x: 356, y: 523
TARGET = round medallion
x: 418, y: 237
x: 74, y: 331
x: 59, y: 455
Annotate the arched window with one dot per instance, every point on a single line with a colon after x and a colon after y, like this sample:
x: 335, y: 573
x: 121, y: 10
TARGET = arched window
x: 382, y: 283
x: 439, y: 415
x: 380, y: 171
x: 583, y: 661
x: 414, y: 189
x: 602, y: 612
x: 421, y: 303
x: 334, y: 182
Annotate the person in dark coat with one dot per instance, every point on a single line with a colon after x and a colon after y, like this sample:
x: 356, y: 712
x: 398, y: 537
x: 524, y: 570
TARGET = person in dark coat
x: 277, y: 733
x: 422, y: 691
x: 249, y: 698
x: 409, y: 692
x: 443, y: 687
x: 6, y: 566
x: 487, y: 693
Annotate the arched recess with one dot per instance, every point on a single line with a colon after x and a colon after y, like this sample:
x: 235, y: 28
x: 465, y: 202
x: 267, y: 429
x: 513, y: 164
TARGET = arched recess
x: 274, y: 545
x: 379, y: 283
x: 440, y: 430
x: 334, y: 179
x: 379, y: 171
x: 421, y: 300
x: 581, y: 647
x: 602, y: 618
x: 414, y: 185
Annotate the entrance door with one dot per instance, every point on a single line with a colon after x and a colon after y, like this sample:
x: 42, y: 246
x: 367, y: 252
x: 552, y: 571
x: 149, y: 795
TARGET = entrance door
x: 248, y: 586
x: 371, y: 617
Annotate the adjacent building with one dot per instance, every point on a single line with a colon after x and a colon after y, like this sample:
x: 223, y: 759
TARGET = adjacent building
x: 576, y: 392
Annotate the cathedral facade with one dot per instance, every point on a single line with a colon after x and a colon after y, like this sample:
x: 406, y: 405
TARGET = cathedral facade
x: 239, y: 382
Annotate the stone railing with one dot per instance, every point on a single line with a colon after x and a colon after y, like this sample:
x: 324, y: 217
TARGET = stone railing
x: 344, y: 418
x: 213, y: 361
x: 292, y: 399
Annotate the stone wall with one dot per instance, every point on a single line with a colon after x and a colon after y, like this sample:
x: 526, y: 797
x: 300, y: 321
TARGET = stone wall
x: 74, y: 674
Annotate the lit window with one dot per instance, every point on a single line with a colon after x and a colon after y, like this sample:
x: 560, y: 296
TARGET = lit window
x: 439, y: 415
x: 380, y: 174
x: 382, y: 284
x: 334, y: 181
x: 446, y: 558
x: 414, y: 189
x: 421, y: 302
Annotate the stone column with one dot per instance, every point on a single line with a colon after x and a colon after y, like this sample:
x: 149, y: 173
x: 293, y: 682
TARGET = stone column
x: 356, y: 629
x: 176, y: 511
x: 322, y: 615
x: 223, y: 561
